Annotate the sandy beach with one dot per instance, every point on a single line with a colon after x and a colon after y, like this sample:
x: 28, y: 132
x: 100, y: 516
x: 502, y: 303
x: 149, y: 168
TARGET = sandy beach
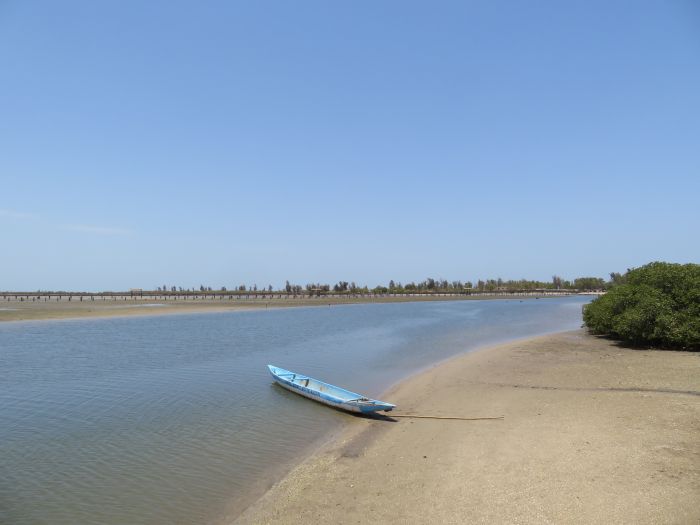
x: 592, y: 433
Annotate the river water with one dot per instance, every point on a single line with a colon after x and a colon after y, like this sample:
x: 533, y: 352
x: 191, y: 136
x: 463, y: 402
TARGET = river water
x: 174, y: 419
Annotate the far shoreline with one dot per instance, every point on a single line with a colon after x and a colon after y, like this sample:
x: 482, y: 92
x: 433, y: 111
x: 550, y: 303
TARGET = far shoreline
x: 19, y: 311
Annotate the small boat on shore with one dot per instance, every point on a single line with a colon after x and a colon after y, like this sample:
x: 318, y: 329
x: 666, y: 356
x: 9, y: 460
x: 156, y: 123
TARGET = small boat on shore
x: 327, y: 394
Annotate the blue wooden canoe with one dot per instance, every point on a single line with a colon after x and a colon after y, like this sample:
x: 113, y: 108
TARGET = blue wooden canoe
x: 327, y: 394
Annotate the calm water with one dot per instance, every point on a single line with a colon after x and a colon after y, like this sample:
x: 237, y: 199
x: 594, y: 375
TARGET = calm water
x: 174, y: 419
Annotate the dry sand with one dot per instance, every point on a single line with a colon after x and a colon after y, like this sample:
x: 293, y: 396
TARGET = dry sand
x: 593, y: 433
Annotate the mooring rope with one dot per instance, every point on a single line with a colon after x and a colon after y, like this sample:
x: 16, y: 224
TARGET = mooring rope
x: 445, y: 417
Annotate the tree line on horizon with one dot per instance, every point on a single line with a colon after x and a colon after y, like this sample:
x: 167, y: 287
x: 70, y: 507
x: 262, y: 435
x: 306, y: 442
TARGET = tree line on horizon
x: 429, y: 285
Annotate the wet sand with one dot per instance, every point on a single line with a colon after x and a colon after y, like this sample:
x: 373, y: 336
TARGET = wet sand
x: 593, y: 433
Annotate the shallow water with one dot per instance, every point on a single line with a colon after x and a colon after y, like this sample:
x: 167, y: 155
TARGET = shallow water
x: 174, y: 419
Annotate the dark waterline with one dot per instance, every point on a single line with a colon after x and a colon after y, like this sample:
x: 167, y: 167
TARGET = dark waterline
x: 173, y: 419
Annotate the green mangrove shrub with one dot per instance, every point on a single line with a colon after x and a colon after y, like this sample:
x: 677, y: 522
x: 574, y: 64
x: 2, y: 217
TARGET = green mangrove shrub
x: 655, y: 305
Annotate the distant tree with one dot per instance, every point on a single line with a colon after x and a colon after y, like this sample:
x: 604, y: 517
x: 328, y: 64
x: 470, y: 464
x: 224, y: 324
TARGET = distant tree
x: 269, y: 288
x: 589, y: 283
x: 616, y: 278
x: 241, y: 288
x: 223, y: 288
x: 287, y: 287
x: 556, y: 281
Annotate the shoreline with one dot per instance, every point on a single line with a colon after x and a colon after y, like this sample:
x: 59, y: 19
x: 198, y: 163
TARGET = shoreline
x: 346, y: 431
x: 14, y: 311
x: 592, y: 432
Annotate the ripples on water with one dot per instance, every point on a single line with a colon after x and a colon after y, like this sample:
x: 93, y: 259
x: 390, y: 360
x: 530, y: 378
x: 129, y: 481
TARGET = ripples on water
x: 173, y: 419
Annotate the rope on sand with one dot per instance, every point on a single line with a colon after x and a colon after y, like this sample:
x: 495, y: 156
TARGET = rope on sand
x: 445, y: 417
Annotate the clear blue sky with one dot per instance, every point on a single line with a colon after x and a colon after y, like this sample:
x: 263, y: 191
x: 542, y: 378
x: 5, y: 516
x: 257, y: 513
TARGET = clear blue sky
x: 220, y: 143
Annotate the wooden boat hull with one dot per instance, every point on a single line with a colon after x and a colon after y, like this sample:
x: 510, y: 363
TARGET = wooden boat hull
x: 325, y: 393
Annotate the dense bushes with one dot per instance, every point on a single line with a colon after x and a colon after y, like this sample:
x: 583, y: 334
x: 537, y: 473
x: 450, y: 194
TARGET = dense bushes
x: 656, y: 305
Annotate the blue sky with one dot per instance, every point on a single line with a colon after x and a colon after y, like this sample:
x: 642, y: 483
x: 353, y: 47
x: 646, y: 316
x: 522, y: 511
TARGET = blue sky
x: 220, y: 143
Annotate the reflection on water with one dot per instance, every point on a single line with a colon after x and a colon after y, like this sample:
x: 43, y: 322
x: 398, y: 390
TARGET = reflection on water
x: 173, y: 419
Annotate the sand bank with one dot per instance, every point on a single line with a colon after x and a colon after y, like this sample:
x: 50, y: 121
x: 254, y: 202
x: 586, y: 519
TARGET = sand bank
x: 593, y: 433
x: 26, y: 309
x: 36, y: 311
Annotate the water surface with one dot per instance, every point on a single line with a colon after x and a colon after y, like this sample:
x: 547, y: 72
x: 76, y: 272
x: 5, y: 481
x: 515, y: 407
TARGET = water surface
x: 173, y: 419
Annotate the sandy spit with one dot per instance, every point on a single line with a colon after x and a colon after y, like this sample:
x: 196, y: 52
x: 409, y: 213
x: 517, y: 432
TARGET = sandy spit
x: 126, y: 306
x: 593, y: 433
x: 40, y: 311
